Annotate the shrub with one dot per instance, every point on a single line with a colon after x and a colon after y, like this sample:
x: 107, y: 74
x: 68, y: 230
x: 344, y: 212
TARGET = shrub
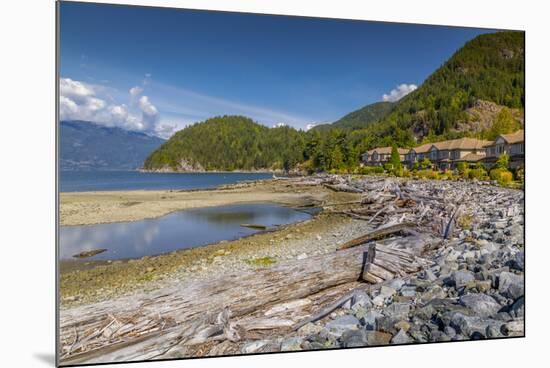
x: 369, y: 170
x: 399, y: 172
x: 478, y: 173
x: 406, y: 174
x: 425, y: 163
x: 388, y: 167
x: 462, y: 167
x: 502, y: 176
x: 520, y: 174
x: 502, y: 162
x: 428, y: 174
x: 447, y: 175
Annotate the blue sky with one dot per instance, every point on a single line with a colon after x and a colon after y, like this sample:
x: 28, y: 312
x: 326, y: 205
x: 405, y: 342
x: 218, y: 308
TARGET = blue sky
x: 185, y: 66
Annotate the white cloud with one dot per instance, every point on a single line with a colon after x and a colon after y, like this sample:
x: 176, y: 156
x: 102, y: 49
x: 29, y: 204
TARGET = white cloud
x: 74, y: 90
x: 165, y: 130
x: 149, y: 112
x: 135, y: 92
x: 81, y: 101
x: 399, y: 92
x: 310, y: 125
x: 279, y: 125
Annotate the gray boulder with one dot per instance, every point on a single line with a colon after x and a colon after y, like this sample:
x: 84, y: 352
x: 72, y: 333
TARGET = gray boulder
x: 472, y: 325
x: 519, y: 261
x: 354, y: 338
x: 517, y: 310
x: 397, y: 310
x: 401, y: 338
x: 408, y: 291
x: 510, y: 285
x: 342, y: 324
x: 482, y: 304
x: 396, y: 284
x: 369, y: 320
x: 292, y: 344
x: 255, y: 346
x: 462, y: 278
x: 361, y: 299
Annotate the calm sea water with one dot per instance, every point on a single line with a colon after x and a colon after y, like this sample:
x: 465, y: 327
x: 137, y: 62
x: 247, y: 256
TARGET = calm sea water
x: 179, y: 230
x: 80, y: 181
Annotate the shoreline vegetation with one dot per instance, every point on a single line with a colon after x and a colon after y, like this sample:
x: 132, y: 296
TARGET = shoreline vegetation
x: 468, y: 237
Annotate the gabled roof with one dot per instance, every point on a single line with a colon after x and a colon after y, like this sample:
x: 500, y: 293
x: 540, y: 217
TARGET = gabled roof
x: 471, y: 157
x: 387, y: 151
x: 462, y: 144
x: 516, y: 137
x: 422, y: 149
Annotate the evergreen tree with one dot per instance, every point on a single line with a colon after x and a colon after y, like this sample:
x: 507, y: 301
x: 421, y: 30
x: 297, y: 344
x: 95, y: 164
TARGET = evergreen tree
x: 395, y: 160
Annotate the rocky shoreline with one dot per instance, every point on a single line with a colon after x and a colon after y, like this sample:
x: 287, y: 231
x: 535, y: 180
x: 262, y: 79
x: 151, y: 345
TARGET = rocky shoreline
x: 471, y: 235
x: 474, y: 290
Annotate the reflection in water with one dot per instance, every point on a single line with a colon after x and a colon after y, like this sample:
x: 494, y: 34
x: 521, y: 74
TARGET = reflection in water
x: 179, y: 230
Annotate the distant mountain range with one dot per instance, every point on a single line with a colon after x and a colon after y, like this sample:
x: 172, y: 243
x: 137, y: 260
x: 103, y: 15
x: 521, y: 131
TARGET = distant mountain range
x: 89, y: 146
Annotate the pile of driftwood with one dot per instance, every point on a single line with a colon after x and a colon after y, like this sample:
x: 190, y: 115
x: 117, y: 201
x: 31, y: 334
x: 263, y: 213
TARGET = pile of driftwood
x: 211, y: 317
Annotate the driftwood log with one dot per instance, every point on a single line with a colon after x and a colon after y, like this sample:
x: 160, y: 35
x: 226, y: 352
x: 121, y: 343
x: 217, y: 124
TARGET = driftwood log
x: 225, y: 307
x: 377, y: 234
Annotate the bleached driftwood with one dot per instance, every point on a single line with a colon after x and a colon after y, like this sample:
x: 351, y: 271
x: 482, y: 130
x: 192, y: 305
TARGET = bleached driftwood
x: 135, y: 328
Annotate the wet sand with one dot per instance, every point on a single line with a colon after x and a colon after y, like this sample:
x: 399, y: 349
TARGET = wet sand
x: 87, y: 208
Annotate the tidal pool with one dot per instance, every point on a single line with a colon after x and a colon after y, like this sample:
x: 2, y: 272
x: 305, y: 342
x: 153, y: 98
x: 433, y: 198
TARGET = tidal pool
x: 178, y: 230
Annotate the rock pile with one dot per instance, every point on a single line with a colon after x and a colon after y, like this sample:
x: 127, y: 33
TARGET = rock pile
x: 473, y: 290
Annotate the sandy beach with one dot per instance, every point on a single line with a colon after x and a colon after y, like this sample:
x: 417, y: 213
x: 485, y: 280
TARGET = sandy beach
x: 87, y: 208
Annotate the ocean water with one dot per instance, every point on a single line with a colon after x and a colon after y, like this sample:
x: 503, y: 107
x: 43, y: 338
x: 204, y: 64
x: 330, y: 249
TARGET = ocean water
x: 178, y: 230
x: 83, y: 181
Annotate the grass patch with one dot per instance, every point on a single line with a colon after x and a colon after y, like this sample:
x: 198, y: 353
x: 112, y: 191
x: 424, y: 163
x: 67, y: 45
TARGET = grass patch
x: 465, y: 222
x: 263, y: 261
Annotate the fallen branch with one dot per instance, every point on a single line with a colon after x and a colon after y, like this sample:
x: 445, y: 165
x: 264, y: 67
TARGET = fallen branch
x: 377, y: 234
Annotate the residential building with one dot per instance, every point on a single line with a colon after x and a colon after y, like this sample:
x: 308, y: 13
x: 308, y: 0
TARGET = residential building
x: 417, y: 154
x: 512, y: 144
x: 381, y: 155
x: 447, y: 154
